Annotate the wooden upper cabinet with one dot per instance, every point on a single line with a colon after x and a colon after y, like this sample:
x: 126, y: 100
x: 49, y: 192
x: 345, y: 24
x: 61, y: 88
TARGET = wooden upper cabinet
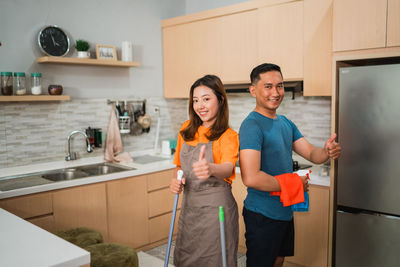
x: 359, y: 24
x: 280, y: 32
x: 239, y: 46
x: 318, y: 47
x: 190, y: 51
x: 393, y: 23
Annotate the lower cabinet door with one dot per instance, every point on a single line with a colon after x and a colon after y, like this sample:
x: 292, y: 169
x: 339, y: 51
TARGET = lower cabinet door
x: 127, y: 211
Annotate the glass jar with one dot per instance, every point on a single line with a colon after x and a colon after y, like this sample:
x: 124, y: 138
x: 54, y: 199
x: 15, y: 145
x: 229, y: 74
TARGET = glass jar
x: 19, y: 81
x: 36, y: 83
x: 6, y: 83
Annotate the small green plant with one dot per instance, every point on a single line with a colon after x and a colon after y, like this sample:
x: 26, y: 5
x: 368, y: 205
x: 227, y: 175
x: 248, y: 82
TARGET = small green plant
x: 82, y: 45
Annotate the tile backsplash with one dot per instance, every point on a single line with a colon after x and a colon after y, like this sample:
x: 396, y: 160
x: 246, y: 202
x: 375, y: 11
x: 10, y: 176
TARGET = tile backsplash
x: 35, y: 132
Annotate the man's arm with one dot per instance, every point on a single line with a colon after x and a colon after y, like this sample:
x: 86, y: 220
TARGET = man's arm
x: 251, y: 173
x: 317, y: 155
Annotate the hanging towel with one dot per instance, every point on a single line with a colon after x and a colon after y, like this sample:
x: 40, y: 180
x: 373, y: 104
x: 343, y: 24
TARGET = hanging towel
x: 292, y: 191
x: 113, y: 151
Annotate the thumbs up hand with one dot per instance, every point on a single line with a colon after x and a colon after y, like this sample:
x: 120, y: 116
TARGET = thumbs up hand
x: 202, y: 167
x: 332, y: 149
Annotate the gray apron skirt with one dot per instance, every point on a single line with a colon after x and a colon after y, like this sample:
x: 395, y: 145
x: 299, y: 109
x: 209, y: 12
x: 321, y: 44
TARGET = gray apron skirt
x: 198, y: 243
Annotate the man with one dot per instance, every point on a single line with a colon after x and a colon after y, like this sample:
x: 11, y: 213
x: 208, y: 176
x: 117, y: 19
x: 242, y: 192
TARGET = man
x: 266, y: 143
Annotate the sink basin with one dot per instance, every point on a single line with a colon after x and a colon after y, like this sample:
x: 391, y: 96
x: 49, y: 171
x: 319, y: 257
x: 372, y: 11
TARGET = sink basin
x: 102, y: 168
x: 83, y: 171
x: 65, y: 174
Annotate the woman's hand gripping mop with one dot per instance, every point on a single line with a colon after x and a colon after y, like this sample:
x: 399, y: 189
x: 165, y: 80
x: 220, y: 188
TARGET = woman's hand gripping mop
x: 171, y: 228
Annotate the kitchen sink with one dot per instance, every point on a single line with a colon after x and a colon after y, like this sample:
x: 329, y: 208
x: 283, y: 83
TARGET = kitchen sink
x: 64, y: 174
x: 83, y: 171
x: 102, y: 168
x: 45, y: 177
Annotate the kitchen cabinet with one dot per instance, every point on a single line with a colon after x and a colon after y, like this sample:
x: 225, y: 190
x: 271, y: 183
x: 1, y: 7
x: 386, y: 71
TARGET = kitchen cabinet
x: 280, y: 38
x: 312, y: 229
x: 190, y: 51
x: 358, y: 24
x: 81, y: 206
x: 225, y: 46
x: 127, y: 211
x: 239, y: 46
x: 393, y: 23
x: 231, y: 43
x: 318, y: 47
x: 36, y: 208
x: 239, y: 191
x: 160, y: 205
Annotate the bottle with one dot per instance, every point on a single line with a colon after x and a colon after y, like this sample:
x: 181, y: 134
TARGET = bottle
x: 36, y: 83
x: 19, y: 79
x: 6, y: 83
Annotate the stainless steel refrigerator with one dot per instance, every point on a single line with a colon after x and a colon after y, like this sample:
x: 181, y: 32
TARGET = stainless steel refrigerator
x: 367, y: 228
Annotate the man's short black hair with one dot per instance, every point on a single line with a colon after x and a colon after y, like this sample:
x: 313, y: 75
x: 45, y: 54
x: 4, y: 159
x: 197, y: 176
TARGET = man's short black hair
x: 265, y: 67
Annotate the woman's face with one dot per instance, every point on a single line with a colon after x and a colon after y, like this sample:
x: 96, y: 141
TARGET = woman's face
x: 205, y: 104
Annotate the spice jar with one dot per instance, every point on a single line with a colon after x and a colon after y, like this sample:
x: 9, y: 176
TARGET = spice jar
x: 19, y: 79
x: 36, y: 83
x: 6, y: 83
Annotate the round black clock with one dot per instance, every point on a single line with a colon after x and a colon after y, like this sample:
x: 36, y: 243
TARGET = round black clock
x: 53, y: 41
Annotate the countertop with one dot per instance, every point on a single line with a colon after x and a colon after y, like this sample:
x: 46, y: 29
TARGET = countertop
x: 315, y: 177
x: 25, y: 244
x: 140, y: 170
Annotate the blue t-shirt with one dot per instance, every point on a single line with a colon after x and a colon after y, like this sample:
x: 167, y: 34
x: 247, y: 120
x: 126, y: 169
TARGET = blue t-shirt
x: 274, y: 138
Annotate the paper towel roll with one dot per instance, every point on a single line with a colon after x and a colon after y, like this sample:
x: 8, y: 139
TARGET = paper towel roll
x: 127, y: 49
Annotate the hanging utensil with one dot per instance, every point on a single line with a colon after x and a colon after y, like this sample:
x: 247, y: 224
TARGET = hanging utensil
x: 144, y: 120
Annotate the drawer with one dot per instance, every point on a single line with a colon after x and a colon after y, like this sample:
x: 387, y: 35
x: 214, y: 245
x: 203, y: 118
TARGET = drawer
x: 159, y: 180
x: 161, y: 202
x: 45, y: 222
x: 30, y: 206
x: 159, y: 226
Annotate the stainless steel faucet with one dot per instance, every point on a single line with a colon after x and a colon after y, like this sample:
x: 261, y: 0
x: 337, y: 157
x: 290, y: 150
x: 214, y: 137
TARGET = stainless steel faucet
x: 73, y: 155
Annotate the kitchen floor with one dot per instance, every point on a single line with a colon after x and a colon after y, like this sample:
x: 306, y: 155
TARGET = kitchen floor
x: 159, y: 252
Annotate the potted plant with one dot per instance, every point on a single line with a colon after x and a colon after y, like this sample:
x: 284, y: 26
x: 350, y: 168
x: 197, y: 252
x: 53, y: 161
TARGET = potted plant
x: 82, y: 47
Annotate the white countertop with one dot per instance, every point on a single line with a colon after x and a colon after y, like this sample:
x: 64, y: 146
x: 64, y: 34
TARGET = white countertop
x: 25, y: 244
x: 140, y: 170
x: 316, y: 178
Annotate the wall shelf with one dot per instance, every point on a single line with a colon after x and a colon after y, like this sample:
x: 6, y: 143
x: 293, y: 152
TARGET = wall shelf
x: 31, y: 98
x: 87, y: 61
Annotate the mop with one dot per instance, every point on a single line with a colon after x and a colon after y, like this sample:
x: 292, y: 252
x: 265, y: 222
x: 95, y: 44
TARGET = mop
x: 222, y: 229
x: 171, y: 228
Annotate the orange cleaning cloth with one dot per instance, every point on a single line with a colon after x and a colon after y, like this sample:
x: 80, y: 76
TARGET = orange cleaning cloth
x: 292, y: 191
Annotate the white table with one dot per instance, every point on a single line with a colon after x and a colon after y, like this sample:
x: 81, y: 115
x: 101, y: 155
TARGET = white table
x: 25, y: 244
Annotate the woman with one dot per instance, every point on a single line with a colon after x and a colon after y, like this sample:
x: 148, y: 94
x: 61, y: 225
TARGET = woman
x: 207, y: 151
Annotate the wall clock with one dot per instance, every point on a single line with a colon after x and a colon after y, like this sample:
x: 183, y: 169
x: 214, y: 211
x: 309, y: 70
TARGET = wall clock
x: 53, y: 41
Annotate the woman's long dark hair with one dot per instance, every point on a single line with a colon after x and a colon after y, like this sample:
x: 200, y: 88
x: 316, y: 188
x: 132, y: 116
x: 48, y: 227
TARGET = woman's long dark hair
x: 221, y: 123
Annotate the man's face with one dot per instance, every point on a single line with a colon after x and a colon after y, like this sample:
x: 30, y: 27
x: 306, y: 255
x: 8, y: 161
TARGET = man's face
x: 268, y: 91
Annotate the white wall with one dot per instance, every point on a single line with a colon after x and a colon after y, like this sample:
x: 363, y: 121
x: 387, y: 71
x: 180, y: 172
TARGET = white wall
x: 99, y: 22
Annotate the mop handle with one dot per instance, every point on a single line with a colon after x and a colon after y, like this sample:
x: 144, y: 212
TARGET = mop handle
x: 222, y: 229
x: 171, y: 227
